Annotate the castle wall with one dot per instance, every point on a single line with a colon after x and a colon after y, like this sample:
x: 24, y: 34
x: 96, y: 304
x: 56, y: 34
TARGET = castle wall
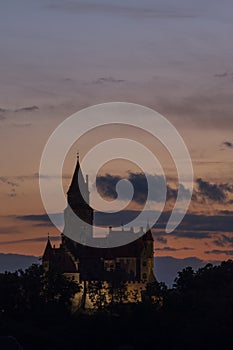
x: 134, y: 292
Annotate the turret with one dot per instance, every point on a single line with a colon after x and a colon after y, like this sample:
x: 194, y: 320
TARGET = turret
x: 48, y: 254
x: 147, y: 261
x: 78, y: 193
x: 78, y: 208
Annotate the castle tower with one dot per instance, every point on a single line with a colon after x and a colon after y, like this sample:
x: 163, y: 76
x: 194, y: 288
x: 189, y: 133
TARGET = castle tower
x: 147, y: 261
x: 78, y: 215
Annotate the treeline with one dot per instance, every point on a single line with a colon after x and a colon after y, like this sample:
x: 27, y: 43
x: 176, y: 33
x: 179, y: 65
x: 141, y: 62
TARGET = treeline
x: 34, y: 290
x: 196, y: 313
x: 38, y: 291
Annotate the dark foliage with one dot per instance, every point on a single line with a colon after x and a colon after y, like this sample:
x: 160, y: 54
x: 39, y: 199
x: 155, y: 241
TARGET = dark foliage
x: 196, y: 313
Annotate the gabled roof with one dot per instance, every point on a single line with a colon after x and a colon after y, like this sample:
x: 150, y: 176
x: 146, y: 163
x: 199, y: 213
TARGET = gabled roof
x: 59, y: 257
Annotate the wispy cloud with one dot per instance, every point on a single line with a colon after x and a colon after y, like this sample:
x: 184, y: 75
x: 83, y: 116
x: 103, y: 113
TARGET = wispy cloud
x: 14, y: 180
x: 171, y: 249
x: 219, y: 252
x: 27, y: 109
x: 191, y: 234
x: 227, y: 144
x: 138, y: 11
x: 31, y: 240
x: 42, y: 220
x: 161, y: 239
x: 9, y: 230
x: 110, y: 80
x: 21, y: 109
x: 6, y: 180
x: 22, y: 125
x: 221, y: 75
x: 224, y: 240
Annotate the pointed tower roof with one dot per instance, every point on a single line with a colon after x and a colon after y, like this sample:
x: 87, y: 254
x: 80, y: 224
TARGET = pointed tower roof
x: 77, y: 180
x: 47, y: 256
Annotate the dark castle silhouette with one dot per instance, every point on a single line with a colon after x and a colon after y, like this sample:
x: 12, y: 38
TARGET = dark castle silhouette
x: 133, y: 262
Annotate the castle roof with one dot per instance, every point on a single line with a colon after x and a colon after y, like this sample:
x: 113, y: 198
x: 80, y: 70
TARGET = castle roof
x: 148, y: 235
x: 133, y: 249
x: 59, y: 258
x: 48, y: 251
x: 77, y: 181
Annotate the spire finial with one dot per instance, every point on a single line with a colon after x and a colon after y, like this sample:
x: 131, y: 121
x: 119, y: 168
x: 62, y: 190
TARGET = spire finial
x: 78, y: 155
x: 48, y: 236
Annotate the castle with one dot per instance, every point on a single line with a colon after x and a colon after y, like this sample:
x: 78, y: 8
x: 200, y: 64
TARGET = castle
x: 86, y: 262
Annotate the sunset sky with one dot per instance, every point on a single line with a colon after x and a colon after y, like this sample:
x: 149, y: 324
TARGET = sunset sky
x: 175, y: 56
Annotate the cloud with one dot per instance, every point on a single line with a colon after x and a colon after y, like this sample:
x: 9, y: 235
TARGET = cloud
x: 5, y: 180
x: 4, y: 112
x: 42, y: 220
x: 224, y: 240
x: 2, y: 116
x: 108, y: 80
x: 23, y: 125
x: 198, y: 224
x: 31, y: 240
x: 226, y: 212
x: 193, y: 226
x: 138, y: 11
x: 221, y: 75
x: 214, y: 192
x: 161, y: 236
x: 161, y: 239
x: 44, y: 224
x: 219, y: 252
x: 228, y: 144
x: 9, y: 230
x: 21, y: 109
x: 13, y: 181
x: 191, y: 234
x: 12, y: 193
x: 106, y: 185
x: 27, y: 109
x: 170, y: 249
x: 200, y: 109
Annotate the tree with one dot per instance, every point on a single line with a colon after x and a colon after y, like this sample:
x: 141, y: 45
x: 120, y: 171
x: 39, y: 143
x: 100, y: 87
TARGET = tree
x: 57, y: 289
x: 30, y: 282
x: 10, y: 294
x: 117, y: 289
x: 97, y: 294
x: 185, y: 279
x: 34, y: 290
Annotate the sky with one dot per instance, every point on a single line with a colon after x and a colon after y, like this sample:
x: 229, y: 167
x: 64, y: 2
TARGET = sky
x: 59, y: 56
